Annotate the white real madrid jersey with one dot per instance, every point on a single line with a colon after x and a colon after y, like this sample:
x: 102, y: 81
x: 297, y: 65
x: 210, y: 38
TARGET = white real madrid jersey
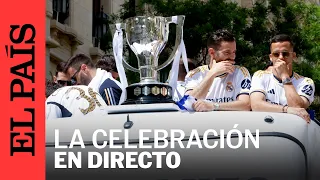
x: 70, y: 101
x: 266, y: 83
x: 224, y: 88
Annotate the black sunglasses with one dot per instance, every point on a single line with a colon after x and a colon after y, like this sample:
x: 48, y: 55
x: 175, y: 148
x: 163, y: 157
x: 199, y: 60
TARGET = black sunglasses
x: 63, y: 83
x: 73, y: 78
x: 285, y: 54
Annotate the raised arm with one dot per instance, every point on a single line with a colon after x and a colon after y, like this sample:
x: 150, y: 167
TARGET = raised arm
x: 259, y: 103
x: 293, y: 98
x: 200, y: 90
x: 303, y: 96
x: 242, y: 88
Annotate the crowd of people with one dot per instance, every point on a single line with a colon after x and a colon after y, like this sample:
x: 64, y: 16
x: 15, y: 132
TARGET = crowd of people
x: 81, y: 87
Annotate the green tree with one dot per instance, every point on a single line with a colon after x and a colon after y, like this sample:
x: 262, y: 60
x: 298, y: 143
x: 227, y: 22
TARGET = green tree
x: 308, y: 16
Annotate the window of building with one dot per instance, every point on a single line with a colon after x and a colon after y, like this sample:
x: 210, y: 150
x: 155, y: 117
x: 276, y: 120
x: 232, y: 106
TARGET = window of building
x: 60, y: 10
x: 100, y: 26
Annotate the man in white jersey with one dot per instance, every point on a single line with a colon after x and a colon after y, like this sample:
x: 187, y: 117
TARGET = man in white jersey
x: 73, y: 101
x: 280, y: 89
x: 221, y: 85
x: 81, y: 70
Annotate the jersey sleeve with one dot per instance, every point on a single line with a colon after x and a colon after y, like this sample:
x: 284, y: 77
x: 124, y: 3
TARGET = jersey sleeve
x: 52, y: 109
x: 258, y: 84
x: 306, y: 89
x: 192, y: 80
x: 110, y: 92
x: 56, y: 106
x: 243, y: 82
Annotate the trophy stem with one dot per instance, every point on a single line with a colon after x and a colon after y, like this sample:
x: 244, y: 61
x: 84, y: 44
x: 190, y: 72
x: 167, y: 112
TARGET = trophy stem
x: 148, y: 74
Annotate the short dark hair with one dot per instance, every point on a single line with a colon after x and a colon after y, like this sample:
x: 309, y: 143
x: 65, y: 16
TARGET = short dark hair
x: 77, y: 60
x: 60, y: 67
x: 282, y: 38
x: 51, y: 87
x: 108, y: 63
x: 217, y: 37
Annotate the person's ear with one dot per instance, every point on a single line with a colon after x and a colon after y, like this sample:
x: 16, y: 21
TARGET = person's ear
x: 211, y: 53
x: 54, y: 79
x: 83, y: 67
x: 294, y: 55
x: 114, y: 74
x: 270, y: 57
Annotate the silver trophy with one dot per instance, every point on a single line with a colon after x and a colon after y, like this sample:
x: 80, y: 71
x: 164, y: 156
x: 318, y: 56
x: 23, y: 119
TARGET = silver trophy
x: 147, y: 36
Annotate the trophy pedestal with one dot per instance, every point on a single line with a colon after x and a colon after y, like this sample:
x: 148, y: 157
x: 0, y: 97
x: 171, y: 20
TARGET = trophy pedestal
x: 148, y: 94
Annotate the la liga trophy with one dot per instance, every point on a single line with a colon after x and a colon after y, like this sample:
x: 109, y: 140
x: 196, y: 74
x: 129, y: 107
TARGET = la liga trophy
x: 147, y: 36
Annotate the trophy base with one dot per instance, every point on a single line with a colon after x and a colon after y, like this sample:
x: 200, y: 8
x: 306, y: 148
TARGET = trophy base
x: 143, y: 108
x: 148, y: 94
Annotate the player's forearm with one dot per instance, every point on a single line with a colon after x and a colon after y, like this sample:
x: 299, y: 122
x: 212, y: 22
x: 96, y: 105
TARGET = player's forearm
x: 238, y: 105
x: 265, y: 106
x: 201, y: 91
x: 293, y: 98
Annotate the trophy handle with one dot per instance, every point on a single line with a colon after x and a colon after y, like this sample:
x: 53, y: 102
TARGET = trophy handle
x: 179, y: 30
x: 128, y: 66
x: 125, y: 63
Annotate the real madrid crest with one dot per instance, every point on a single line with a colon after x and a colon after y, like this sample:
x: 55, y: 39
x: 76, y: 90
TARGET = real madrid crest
x: 229, y: 86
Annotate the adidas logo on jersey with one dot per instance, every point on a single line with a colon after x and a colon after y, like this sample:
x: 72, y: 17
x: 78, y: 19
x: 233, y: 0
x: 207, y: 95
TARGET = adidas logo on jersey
x: 271, y: 91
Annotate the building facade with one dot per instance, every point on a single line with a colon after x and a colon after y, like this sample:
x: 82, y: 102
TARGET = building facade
x: 75, y: 26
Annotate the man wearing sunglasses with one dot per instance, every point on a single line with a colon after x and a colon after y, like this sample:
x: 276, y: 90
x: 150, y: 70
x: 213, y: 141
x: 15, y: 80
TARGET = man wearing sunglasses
x: 280, y: 89
x: 60, y: 77
x: 82, y: 71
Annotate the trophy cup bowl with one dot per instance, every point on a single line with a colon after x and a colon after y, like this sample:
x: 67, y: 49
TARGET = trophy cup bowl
x: 147, y: 36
